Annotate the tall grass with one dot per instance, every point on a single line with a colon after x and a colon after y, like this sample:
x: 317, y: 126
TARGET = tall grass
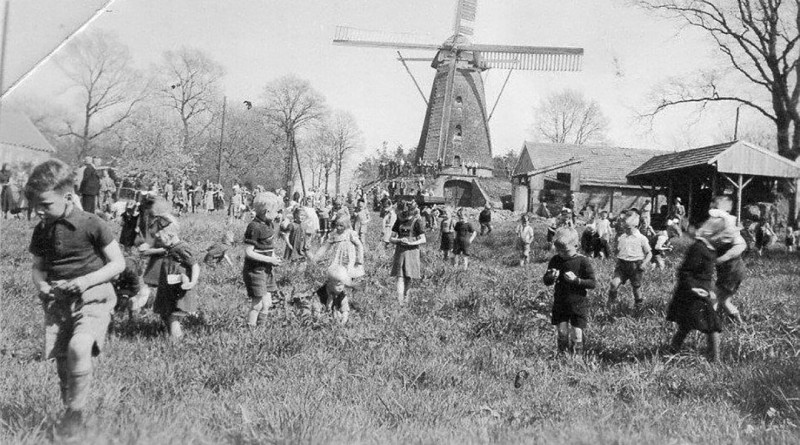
x: 439, y: 370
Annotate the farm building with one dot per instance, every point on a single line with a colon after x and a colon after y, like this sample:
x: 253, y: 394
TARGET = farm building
x: 738, y: 168
x: 549, y: 174
x: 20, y: 141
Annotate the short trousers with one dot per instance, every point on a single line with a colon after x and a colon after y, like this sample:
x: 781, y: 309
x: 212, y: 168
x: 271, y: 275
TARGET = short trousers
x: 461, y: 247
x: 89, y: 315
x: 259, y: 283
x: 406, y: 263
x: 448, y: 239
x: 564, y: 311
x: 629, y: 270
x: 524, y: 248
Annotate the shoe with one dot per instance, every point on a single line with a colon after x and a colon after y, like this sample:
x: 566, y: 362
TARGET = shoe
x: 520, y: 378
x: 71, y: 423
x: 577, y: 348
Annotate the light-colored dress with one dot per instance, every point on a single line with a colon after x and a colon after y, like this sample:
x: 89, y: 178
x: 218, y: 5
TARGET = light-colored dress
x: 345, y: 250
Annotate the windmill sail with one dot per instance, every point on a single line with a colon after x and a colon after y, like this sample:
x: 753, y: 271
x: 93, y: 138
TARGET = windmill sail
x: 346, y: 35
x: 466, y: 12
x: 534, y: 58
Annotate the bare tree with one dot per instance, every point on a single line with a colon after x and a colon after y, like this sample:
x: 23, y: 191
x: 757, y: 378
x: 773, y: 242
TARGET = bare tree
x: 345, y: 138
x: 321, y: 153
x: 292, y: 104
x: 100, y: 65
x: 148, y: 135
x: 567, y: 117
x: 759, y: 40
x: 188, y: 81
x: 249, y: 142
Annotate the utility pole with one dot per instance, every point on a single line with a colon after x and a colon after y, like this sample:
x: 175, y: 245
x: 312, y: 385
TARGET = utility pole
x: 299, y: 167
x: 221, y: 136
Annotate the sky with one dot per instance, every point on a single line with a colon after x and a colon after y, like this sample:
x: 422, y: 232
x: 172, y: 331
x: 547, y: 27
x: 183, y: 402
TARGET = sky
x: 627, y: 53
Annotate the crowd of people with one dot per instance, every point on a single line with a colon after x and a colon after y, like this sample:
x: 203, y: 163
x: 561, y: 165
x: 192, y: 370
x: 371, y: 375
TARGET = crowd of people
x: 92, y: 274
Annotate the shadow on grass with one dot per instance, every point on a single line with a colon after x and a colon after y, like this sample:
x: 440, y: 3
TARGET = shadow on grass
x: 136, y: 327
x: 770, y: 392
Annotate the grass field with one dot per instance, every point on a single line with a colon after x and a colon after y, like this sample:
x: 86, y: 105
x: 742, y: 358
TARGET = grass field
x: 440, y: 370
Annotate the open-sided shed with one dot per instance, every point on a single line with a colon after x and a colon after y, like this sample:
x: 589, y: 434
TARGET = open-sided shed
x: 698, y: 174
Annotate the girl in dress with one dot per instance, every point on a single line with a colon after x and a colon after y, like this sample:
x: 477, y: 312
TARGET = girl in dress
x: 693, y: 305
x: 408, y: 234
x: 345, y: 249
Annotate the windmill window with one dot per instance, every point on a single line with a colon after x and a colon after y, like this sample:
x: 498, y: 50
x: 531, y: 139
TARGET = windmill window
x: 458, y: 130
x: 458, y: 100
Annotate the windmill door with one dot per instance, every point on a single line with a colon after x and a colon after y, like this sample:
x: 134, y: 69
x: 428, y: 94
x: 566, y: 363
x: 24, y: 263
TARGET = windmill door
x: 458, y: 193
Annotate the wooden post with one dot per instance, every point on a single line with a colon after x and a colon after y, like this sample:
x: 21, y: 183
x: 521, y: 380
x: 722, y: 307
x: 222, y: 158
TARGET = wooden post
x: 739, y: 190
x: 689, y: 204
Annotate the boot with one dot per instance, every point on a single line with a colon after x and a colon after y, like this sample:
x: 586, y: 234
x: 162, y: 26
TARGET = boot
x: 71, y: 423
x: 713, y: 347
x: 677, y: 341
x: 563, y: 343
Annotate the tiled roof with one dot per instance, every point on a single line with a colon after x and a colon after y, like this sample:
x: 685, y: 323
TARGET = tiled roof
x: 599, y: 165
x: 681, y: 159
x: 17, y: 129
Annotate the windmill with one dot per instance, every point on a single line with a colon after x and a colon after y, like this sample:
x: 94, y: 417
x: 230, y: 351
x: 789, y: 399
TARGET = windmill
x: 456, y: 126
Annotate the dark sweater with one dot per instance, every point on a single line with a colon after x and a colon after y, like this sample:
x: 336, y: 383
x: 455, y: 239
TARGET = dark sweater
x: 580, y: 266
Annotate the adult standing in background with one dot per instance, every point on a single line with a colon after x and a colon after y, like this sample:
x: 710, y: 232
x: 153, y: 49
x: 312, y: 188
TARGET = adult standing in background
x: 90, y: 186
x: 6, y: 197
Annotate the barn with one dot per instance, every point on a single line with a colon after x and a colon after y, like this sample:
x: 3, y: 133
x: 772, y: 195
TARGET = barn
x: 20, y: 141
x: 550, y: 174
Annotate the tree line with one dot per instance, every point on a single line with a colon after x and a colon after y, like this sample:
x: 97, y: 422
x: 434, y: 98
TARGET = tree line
x: 172, y: 120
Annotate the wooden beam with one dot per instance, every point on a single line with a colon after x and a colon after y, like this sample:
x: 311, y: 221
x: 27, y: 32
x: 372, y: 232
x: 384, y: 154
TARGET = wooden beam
x: 689, y: 206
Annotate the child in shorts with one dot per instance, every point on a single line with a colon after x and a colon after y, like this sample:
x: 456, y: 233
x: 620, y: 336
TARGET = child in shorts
x: 524, y: 239
x: 75, y: 257
x: 259, y: 238
x: 331, y: 297
x: 176, y: 297
x: 633, y: 254
x: 448, y: 232
x: 218, y: 252
x: 465, y: 235
x: 572, y: 275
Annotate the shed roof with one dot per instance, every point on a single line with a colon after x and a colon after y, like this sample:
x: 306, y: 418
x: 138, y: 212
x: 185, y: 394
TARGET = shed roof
x: 599, y: 165
x: 736, y: 157
x: 18, y: 130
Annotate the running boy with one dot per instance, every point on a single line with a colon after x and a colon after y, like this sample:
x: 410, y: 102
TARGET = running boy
x: 633, y: 254
x: 75, y: 257
x: 259, y: 259
x: 572, y: 275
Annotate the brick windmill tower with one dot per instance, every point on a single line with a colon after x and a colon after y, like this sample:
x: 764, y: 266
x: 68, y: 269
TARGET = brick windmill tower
x: 456, y: 127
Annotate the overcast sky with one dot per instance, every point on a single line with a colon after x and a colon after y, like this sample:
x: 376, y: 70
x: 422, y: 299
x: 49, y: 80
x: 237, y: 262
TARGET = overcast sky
x: 627, y: 52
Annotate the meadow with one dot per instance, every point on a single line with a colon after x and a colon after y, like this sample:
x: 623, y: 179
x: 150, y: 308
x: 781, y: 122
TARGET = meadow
x: 440, y: 370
